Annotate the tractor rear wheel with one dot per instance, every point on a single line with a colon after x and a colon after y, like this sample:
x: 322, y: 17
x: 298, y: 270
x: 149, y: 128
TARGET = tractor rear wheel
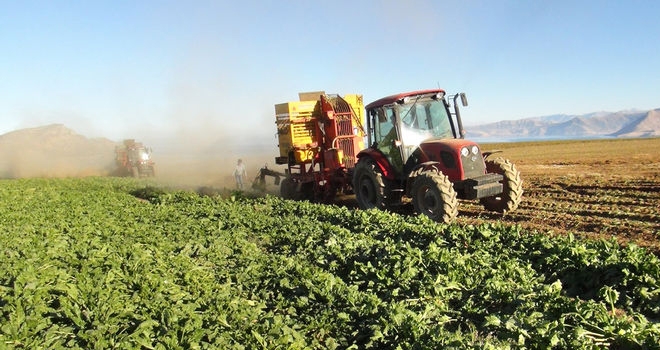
x: 368, y: 185
x: 512, y: 190
x: 433, y: 195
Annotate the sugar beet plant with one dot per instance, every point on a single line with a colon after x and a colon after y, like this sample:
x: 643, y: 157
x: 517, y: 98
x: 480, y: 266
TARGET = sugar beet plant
x: 88, y: 264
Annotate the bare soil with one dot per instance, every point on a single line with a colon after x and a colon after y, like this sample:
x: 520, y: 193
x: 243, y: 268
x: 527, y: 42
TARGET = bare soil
x: 595, y: 189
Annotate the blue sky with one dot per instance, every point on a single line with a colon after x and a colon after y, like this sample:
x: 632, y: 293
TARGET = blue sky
x: 197, y: 68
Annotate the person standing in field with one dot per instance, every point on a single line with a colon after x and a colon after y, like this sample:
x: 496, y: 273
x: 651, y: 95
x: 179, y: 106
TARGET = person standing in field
x: 240, y: 174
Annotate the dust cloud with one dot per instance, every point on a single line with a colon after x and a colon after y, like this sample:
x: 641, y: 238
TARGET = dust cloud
x: 187, y: 157
x: 205, y: 154
x: 53, y: 151
x: 209, y: 167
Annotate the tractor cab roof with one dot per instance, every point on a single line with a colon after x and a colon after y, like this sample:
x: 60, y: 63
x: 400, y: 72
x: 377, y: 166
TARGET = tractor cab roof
x: 391, y: 99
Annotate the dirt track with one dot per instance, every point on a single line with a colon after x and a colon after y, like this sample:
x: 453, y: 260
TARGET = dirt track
x: 595, y: 189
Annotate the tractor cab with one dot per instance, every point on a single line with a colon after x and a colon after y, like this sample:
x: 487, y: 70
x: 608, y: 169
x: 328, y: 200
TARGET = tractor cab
x: 401, y: 127
x: 139, y: 155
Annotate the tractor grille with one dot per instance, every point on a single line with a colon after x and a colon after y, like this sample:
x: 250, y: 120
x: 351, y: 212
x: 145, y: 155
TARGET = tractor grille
x: 473, y: 165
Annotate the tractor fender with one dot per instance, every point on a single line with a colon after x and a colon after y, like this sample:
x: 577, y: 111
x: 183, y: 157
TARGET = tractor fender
x: 381, y: 161
x: 421, y: 168
x: 487, y: 154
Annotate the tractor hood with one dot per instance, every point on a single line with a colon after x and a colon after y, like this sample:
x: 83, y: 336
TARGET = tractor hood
x: 459, y: 159
x: 443, y: 143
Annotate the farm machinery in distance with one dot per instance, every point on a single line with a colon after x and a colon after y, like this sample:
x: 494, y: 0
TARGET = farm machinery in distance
x: 134, y: 159
x: 416, y: 153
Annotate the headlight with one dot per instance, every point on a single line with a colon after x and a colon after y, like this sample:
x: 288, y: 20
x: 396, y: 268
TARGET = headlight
x: 465, y: 152
x: 475, y: 150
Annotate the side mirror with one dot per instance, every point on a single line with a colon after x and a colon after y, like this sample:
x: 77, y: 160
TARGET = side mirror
x: 464, y: 100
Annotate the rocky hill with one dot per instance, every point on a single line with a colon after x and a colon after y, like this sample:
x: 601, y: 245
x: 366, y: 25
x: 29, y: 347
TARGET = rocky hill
x: 647, y: 126
x: 618, y: 124
x: 54, y: 151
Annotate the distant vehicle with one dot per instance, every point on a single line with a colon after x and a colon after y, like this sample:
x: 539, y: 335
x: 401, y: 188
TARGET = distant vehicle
x: 134, y: 159
x: 416, y: 151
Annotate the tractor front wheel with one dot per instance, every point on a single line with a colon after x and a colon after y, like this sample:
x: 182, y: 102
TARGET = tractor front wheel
x: 433, y: 195
x: 512, y: 190
x: 368, y: 185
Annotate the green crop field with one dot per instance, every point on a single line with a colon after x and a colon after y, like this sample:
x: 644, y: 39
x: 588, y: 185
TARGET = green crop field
x: 103, y: 263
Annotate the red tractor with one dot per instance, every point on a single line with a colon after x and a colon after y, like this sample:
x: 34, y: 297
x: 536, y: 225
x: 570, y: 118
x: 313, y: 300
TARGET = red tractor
x: 417, y: 152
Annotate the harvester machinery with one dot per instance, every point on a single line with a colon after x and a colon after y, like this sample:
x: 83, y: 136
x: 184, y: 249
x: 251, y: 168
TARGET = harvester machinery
x: 319, y: 138
x: 417, y: 153
x: 259, y: 182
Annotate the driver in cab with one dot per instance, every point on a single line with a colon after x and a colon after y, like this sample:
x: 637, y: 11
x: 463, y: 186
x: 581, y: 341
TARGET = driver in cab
x: 389, y: 143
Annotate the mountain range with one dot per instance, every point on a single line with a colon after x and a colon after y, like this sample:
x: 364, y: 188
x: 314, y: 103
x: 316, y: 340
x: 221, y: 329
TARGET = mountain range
x: 633, y: 123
